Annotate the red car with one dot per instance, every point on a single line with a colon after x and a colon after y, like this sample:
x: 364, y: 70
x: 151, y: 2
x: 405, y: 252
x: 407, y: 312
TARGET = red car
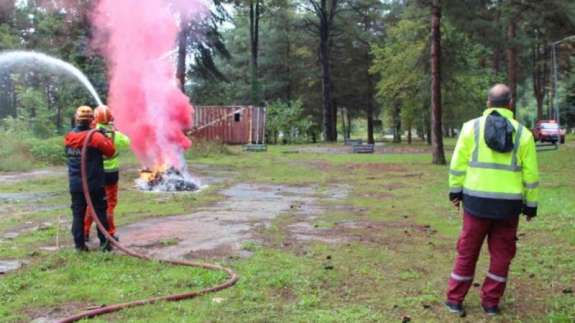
x: 548, y: 131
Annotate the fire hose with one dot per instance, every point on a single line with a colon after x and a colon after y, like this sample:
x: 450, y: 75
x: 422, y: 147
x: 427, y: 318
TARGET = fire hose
x: 232, y: 276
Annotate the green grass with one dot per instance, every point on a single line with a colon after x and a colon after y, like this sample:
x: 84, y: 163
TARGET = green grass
x: 93, y: 279
x: 397, y: 268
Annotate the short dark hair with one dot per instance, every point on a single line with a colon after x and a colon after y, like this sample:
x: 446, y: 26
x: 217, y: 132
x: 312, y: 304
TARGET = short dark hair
x: 82, y: 123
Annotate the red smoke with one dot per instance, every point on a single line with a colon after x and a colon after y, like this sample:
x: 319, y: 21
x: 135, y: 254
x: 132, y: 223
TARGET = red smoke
x: 135, y: 37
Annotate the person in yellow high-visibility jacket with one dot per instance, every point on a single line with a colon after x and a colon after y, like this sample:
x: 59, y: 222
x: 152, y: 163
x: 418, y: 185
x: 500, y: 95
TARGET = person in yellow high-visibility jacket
x: 494, y: 173
x: 103, y: 119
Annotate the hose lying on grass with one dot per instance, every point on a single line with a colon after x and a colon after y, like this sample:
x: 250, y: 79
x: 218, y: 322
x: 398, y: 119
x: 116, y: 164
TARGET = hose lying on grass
x: 232, y: 277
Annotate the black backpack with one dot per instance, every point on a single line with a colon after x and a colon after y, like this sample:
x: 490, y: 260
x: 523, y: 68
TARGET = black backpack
x: 498, y: 133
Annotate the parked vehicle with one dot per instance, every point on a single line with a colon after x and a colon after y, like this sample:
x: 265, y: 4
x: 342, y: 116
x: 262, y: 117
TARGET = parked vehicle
x: 548, y: 131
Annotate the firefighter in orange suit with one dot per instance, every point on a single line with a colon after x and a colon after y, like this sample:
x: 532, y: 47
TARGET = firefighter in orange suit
x: 103, y: 120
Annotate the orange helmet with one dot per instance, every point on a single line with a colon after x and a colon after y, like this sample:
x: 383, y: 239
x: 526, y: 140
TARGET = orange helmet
x: 84, y: 114
x: 103, y: 115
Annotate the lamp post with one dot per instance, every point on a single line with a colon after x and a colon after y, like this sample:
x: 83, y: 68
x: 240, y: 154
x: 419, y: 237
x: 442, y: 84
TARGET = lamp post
x: 554, y: 103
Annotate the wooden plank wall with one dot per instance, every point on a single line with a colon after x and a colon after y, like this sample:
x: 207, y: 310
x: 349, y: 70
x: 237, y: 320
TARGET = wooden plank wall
x: 219, y: 123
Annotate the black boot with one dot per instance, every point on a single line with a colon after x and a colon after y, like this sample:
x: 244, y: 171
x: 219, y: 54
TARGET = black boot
x: 455, y: 309
x: 106, y: 246
x: 82, y: 249
x: 491, y: 310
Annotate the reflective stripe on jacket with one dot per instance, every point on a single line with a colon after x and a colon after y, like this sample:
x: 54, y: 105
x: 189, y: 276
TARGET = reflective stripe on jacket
x: 494, y: 184
x: 112, y: 164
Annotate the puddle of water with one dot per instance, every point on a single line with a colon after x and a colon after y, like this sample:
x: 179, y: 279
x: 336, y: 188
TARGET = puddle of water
x: 221, y: 229
x: 7, y: 266
x: 18, y: 177
x: 24, y: 197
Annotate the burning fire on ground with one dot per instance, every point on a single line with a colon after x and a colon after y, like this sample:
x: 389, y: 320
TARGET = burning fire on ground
x: 165, y: 178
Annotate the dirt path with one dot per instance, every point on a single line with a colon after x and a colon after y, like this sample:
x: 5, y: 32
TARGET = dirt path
x: 221, y: 229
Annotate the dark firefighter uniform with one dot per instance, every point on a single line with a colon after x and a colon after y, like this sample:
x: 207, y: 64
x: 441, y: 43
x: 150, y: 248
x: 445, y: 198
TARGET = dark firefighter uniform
x: 495, y: 187
x: 98, y: 147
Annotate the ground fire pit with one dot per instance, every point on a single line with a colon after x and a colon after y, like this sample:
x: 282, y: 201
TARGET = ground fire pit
x: 166, y: 179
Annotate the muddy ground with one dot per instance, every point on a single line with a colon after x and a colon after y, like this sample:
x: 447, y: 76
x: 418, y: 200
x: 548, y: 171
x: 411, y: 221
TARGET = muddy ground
x: 219, y: 230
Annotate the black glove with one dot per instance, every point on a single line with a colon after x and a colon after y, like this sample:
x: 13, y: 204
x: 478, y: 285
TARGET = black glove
x: 529, y: 211
x: 455, y: 196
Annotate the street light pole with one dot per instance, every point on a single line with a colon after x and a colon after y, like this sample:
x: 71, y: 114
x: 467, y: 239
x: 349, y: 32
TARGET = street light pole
x: 554, y: 102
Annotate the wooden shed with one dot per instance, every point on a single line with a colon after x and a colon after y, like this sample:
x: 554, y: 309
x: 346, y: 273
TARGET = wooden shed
x: 230, y: 124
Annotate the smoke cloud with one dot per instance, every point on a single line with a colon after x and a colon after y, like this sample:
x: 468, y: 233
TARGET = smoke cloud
x: 135, y: 37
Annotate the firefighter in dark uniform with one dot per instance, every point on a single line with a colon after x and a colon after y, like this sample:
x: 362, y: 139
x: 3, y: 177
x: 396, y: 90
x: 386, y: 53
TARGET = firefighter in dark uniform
x: 99, y: 147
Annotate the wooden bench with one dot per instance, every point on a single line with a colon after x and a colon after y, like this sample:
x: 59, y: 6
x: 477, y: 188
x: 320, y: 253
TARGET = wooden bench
x: 351, y: 142
x: 363, y: 149
x: 546, y: 146
x: 255, y: 147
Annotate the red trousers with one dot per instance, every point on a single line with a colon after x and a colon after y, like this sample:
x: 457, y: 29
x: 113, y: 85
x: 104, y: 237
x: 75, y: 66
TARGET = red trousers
x: 501, y: 239
x: 112, y: 199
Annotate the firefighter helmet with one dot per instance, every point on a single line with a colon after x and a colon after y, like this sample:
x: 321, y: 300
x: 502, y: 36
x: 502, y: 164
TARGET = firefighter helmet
x: 84, y: 114
x: 103, y: 115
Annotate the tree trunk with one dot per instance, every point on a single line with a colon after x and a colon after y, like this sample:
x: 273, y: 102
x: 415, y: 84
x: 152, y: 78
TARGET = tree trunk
x: 396, y: 123
x: 512, y: 60
x: 369, y: 81
x: 182, y: 53
x: 497, y: 52
x: 370, y: 108
x: 334, y: 117
x: 254, y: 46
x: 348, y: 123
x: 343, y: 127
x: 287, y: 62
x: 496, y: 62
x: 326, y: 16
x: 326, y: 84
x: 409, y: 135
x: 436, y: 134
x: 428, y: 127
x: 7, y: 106
x: 539, y: 56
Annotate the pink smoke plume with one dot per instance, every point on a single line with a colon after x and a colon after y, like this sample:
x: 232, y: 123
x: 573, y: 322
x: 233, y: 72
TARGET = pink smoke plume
x: 136, y: 38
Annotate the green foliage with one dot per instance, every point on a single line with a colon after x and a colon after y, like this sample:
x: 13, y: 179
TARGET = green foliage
x: 15, y: 153
x: 7, y: 37
x: 48, y: 151
x: 288, y: 121
x: 33, y: 107
x: 21, y: 150
x: 401, y: 63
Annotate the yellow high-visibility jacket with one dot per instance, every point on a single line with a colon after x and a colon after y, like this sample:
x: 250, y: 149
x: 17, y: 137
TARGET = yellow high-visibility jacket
x: 490, y: 183
x: 112, y: 164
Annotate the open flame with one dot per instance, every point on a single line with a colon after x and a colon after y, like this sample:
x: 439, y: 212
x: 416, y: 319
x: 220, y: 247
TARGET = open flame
x: 154, y: 175
x: 166, y: 178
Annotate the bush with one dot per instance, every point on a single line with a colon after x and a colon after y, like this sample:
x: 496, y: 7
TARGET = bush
x: 48, y: 151
x: 206, y: 148
x: 288, y: 121
x: 21, y: 151
x: 15, y: 153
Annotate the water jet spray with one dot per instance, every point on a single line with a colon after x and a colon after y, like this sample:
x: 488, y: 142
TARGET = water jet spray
x: 10, y: 59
